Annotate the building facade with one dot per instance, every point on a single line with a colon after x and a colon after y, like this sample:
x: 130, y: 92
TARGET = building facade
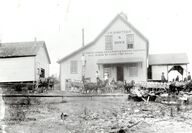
x: 23, y: 61
x: 120, y: 51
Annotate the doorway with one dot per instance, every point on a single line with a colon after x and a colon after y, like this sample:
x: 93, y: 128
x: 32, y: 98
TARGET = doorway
x: 120, y: 74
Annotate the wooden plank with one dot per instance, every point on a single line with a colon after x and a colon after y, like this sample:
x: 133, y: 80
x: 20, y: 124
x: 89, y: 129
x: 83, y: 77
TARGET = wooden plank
x: 39, y: 95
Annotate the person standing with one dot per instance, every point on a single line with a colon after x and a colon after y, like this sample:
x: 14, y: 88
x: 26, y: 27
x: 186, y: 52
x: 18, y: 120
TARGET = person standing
x: 188, y: 76
x: 97, y: 76
x: 163, y: 77
x: 185, y: 79
x: 177, y: 78
x: 106, y: 77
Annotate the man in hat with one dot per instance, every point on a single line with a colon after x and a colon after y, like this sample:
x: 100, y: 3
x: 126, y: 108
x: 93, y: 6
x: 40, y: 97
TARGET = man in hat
x: 163, y: 77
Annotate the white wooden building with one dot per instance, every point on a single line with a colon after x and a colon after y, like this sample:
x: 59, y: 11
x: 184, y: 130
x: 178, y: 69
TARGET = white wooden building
x: 23, y: 61
x: 120, y: 50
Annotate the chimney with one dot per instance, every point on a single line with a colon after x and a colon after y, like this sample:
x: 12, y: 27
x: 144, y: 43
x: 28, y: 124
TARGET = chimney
x: 82, y: 37
x: 123, y: 15
x: 35, y: 40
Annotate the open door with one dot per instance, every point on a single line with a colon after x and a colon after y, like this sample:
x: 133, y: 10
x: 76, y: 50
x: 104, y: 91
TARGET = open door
x: 120, y: 73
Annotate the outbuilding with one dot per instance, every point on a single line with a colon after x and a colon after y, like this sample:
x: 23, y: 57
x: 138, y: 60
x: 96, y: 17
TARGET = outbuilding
x: 23, y: 61
x: 171, y: 65
x: 120, y: 51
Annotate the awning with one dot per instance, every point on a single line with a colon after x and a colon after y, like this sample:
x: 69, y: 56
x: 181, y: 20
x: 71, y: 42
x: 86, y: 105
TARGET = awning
x: 119, y: 60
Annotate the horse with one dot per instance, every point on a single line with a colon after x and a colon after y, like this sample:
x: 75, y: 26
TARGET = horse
x: 128, y: 86
x: 43, y: 85
x: 102, y: 85
x: 89, y: 87
x: 173, y: 88
x: 99, y: 86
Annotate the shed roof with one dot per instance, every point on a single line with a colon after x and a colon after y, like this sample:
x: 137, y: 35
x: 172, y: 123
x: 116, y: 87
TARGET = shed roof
x: 21, y: 49
x: 168, y: 59
x: 118, y: 16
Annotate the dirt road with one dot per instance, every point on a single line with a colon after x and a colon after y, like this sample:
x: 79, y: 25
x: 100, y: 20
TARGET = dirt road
x: 100, y: 115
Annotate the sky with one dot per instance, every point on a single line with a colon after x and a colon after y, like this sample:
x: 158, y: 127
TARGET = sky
x: 166, y: 23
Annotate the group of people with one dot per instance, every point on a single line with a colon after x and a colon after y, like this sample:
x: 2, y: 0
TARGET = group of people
x: 188, y: 78
x: 106, y: 76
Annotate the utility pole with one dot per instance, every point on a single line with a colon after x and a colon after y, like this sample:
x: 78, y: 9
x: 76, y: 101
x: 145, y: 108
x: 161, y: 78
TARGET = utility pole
x: 83, y: 58
x: 83, y: 38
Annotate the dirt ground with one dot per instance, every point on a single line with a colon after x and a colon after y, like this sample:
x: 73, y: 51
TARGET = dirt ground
x: 99, y: 115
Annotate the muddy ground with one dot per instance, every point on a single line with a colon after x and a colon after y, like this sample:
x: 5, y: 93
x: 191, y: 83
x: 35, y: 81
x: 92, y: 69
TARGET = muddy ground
x: 99, y: 115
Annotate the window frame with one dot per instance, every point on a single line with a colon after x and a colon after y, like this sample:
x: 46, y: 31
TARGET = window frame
x: 130, y: 41
x: 130, y: 46
x: 132, y: 68
x: 107, y: 69
x: 108, y: 42
x: 73, y: 66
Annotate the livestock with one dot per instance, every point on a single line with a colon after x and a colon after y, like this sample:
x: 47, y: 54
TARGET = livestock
x: 119, y: 85
x: 44, y: 84
x: 188, y: 86
x: 128, y: 86
x: 102, y: 85
x: 77, y: 86
x: 174, y: 88
x: 90, y: 87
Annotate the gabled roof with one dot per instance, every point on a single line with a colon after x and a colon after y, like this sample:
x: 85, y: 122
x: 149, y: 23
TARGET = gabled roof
x: 21, y: 49
x: 101, y: 34
x: 168, y: 59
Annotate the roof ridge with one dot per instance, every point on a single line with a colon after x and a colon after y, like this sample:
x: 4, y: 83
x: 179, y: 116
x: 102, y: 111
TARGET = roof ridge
x: 21, y: 42
x: 20, y: 49
x: 102, y: 32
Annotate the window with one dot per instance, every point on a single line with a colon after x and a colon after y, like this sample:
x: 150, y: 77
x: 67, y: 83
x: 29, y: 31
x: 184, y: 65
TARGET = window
x: 129, y: 46
x: 108, y: 42
x: 130, y: 41
x: 107, y: 69
x: 133, y: 70
x: 73, y: 67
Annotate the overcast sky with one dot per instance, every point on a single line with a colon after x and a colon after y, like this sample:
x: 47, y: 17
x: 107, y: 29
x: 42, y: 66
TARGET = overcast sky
x: 166, y: 23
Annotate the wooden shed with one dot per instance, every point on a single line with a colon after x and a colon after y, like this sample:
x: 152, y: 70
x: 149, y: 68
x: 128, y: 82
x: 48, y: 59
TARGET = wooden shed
x: 23, y: 61
x: 166, y: 63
